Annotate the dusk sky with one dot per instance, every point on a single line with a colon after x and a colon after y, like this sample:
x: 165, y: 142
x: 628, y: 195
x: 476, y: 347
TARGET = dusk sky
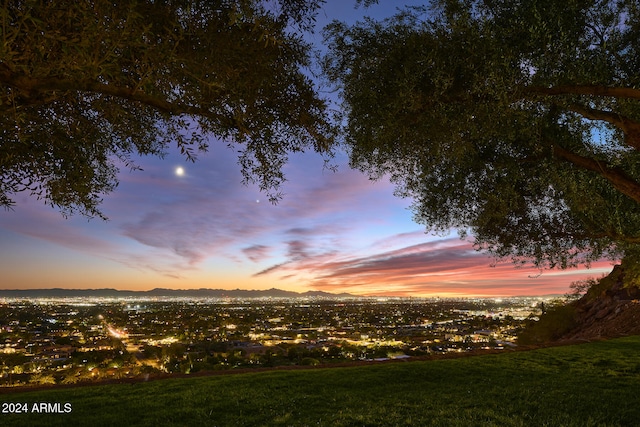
x: 335, y: 232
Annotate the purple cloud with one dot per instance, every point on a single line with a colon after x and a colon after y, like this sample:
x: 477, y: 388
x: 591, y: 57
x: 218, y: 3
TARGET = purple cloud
x: 257, y: 253
x: 272, y: 269
x: 196, y: 219
x: 45, y: 224
x: 297, y: 250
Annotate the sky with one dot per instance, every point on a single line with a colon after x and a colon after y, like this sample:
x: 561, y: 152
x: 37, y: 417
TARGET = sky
x: 183, y: 225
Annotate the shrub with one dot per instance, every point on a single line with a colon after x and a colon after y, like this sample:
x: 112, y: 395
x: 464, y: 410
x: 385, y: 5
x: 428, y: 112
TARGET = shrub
x: 557, y: 321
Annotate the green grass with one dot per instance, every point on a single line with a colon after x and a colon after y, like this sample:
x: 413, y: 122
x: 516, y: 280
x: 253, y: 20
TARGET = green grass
x: 595, y: 384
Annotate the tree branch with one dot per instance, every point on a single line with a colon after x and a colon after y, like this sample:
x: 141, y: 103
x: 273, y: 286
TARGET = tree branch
x: 593, y: 90
x: 616, y: 176
x: 631, y: 128
x: 617, y: 237
x: 34, y: 88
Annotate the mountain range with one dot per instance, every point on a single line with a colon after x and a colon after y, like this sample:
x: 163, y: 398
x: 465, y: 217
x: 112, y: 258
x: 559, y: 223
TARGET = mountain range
x: 161, y: 292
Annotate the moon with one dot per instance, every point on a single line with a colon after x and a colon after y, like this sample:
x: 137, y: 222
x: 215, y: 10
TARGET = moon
x: 179, y: 171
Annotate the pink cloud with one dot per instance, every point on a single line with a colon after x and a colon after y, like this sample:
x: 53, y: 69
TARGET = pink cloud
x: 449, y: 266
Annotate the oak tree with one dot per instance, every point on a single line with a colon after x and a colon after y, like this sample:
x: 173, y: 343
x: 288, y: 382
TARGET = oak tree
x: 86, y: 86
x: 515, y: 121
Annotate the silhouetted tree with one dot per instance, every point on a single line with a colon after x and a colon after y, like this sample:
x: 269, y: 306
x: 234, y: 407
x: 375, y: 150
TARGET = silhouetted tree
x: 515, y: 122
x: 86, y: 85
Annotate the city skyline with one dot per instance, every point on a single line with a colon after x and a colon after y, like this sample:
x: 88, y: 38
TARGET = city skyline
x: 184, y: 225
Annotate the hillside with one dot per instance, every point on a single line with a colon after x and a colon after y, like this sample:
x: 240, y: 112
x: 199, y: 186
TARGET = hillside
x: 578, y: 385
x: 609, y: 309
x: 606, y: 318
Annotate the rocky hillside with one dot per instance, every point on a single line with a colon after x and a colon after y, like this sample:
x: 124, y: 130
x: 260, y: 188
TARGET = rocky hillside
x: 609, y: 309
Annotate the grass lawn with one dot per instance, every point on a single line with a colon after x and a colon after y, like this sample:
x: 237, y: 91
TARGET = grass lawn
x: 594, y: 384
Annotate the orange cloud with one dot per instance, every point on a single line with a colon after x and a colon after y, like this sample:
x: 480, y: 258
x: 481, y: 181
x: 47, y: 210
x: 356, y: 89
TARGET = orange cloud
x: 445, y: 267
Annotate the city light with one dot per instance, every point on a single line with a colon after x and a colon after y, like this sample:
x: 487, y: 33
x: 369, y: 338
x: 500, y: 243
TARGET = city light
x: 166, y: 335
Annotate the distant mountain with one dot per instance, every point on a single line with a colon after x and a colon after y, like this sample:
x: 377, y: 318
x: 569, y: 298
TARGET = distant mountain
x: 160, y: 292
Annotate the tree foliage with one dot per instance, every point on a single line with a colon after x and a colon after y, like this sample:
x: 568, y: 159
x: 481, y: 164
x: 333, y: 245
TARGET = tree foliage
x: 515, y: 121
x: 85, y: 85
